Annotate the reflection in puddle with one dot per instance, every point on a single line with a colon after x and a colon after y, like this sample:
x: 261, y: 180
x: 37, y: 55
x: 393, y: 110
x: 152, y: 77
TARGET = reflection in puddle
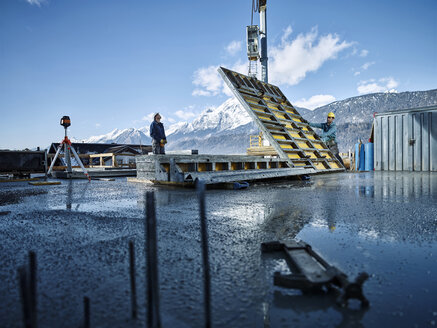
x: 316, y: 302
x: 400, y: 186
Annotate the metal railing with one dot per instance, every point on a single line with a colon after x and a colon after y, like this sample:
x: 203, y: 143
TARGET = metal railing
x: 255, y: 141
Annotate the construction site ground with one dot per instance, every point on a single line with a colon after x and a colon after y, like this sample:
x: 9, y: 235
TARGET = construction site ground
x: 383, y: 223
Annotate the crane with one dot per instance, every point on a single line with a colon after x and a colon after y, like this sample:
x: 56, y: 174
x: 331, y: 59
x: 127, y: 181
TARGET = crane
x: 256, y: 37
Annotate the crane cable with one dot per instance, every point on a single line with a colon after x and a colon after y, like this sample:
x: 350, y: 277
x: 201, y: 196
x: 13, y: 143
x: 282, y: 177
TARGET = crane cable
x: 255, y: 8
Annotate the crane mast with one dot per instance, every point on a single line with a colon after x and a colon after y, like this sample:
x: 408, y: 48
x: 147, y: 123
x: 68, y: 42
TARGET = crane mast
x: 257, y: 40
x: 263, y: 39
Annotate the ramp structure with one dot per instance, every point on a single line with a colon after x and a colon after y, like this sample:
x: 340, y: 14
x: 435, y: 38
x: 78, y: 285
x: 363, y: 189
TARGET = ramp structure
x: 285, y: 129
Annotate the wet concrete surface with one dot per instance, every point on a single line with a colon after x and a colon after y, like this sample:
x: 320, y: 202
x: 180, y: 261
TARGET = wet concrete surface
x: 384, y: 223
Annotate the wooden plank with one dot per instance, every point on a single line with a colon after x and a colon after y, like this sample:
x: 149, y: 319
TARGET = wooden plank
x: 45, y: 183
x: 18, y: 180
x: 262, y: 151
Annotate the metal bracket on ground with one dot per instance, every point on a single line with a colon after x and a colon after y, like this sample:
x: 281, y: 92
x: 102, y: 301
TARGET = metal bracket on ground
x: 311, y: 272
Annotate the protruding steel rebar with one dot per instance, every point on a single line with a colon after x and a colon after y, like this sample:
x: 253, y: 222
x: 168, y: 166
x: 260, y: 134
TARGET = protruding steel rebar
x: 153, y: 317
x: 265, y: 308
x: 32, y: 288
x: 24, y: 296
x: 86, y: 312
x: 204, y: 235
x: 133, y: 287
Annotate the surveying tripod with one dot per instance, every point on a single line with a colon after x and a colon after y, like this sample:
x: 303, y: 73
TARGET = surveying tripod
x: 65, y: 122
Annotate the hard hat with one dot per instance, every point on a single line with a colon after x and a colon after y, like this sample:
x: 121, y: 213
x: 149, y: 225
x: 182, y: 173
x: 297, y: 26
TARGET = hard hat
x: 331, y: 114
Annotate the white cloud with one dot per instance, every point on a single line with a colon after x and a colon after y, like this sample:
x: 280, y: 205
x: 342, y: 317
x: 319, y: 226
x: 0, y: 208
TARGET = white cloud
x: 208, y: 80
x: 367, y: 65
x: 171, y: 120
x: 148, y: 117
x: 98, y: 125
x: 200, y: 92
x: 387, y: 84
x: 185, y: 114
x: 289, y: 62
x: 36, y: 2
x: 240, y: 67
x: 364, y: 53
x: 233, y: 48
x: 292, y: 60
x: 315, y: 101
x: 287, y: 33
x: 364, y: 67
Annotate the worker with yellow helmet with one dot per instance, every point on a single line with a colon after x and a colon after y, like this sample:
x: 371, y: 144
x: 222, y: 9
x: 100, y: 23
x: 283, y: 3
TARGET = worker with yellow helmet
x: 329, y: 134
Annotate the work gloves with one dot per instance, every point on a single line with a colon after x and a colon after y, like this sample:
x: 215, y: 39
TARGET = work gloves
x: 163, y: 141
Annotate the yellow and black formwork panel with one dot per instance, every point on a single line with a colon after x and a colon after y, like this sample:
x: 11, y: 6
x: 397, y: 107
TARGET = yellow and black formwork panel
x: 281, y: 124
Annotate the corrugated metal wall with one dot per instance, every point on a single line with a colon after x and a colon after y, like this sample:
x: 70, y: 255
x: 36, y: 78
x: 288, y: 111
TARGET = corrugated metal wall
x: 406, y: 140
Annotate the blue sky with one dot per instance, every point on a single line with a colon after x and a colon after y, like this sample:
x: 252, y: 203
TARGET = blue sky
x: 111, y: 64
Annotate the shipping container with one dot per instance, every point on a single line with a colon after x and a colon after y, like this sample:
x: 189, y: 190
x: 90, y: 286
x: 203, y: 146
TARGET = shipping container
x: 406, y: 140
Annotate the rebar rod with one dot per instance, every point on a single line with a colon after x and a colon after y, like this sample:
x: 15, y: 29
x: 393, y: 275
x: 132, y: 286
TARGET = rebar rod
x: 132, y: 279
x: 205, y: 257
x: 153, y: 317
x: 33, y: 288
x: 24, y: 296
x: 86, y: 312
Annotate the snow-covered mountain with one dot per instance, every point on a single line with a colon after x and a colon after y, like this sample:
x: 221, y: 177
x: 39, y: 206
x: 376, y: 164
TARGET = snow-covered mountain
x: 354, y: 116
x: 223, y: 130
x: 126, y: 136
x: 226, y: 128
x: 358, y: 109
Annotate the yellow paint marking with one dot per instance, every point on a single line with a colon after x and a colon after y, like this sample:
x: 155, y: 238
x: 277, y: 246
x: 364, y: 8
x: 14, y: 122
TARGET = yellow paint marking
x: 251, y: 101
x: 290, y: 112
x: 272, y: 107
x: 279, y: 115
x: 264, y: 117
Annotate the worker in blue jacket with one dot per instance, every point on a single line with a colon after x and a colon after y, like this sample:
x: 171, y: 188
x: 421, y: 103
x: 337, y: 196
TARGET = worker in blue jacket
x: 329, y: 134
x: 158, y: 135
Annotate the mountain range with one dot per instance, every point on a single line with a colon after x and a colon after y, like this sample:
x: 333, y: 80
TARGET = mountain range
x: 225, y: 129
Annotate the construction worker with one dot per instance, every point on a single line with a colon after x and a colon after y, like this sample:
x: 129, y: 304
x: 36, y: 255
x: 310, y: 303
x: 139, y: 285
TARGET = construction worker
x: 158, y: 135
x: 329, y: 134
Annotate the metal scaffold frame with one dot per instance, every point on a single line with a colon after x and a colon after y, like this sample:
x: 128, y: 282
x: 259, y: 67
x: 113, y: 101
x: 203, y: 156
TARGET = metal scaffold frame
x: 280, y: 123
